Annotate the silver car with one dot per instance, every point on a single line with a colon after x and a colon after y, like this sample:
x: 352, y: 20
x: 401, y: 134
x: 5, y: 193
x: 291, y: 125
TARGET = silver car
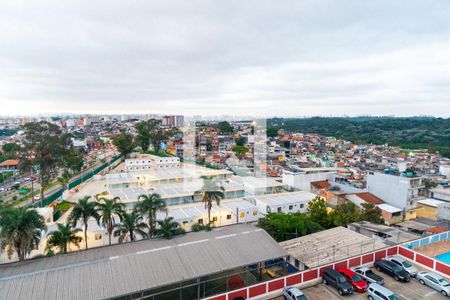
x: 377, y: 292
x: 400, y: 261
x: 434, y: 281
x: 293, y: 293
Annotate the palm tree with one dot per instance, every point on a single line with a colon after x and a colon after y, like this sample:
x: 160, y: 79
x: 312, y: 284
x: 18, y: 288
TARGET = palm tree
x: 168, y: 228
x: 108, y: 210
x: 20, y: 230
x: 64, y: 236
x: 83, y: 211
x: 149, y: 205
x: 211, y: 191
x: 132, y: 224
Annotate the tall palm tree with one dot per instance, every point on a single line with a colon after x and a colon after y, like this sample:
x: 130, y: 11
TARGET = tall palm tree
x: 64, y: 236
x: 168, y: 228
x: 148, y: 205
x: 132, y: 224
x: 211, y: 191
x: 83, y: 211
x: 109, y: 209
x: 20, y: 230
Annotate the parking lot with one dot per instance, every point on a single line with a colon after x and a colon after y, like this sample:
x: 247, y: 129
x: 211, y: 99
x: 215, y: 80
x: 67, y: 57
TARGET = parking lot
x: 412, y: 290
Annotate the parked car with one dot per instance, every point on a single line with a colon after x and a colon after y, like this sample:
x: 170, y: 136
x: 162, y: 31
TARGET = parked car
x: 393, y: 270
x: 293, y: 293
x: 402, y: 262
x: 354, y: 279
x: 434, y: 281
x: 377, y: 292
x: 337, y: 280
x: 369, y: 276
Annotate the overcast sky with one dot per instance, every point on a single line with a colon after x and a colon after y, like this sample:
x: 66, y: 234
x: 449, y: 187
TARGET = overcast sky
x: 284, y: 58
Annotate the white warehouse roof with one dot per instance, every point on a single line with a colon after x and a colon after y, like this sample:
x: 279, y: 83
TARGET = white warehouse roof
x: 284, y: 198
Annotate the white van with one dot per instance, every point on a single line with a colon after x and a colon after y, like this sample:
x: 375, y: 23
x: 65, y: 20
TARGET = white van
x: 377, y: 292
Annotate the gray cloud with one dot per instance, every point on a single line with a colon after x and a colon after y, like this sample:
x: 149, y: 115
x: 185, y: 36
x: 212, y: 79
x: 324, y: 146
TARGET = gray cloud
x: 233, y: 57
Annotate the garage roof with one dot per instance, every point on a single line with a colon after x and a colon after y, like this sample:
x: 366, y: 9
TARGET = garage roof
x: 122, y: 269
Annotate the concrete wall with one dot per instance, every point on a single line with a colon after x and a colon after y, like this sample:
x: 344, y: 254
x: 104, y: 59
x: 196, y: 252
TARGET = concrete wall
x: 302, y: 181
x: 390, y: 188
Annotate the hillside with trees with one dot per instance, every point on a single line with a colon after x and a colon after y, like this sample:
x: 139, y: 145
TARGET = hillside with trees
x: 408, y: 133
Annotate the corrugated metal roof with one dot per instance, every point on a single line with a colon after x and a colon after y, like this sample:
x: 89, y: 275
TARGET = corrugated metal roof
x: 121, y: 269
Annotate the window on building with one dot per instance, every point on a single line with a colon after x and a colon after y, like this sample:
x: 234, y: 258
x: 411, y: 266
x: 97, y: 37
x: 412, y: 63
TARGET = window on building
x: 98, y: 236
x: 242, y: 214
x: 291, y: 207
x: 214, y: 219
x: 279, y: 209
x: 200, y: 221
x: 228, y: 217
x: 302, y: 205
x: 255, y: 212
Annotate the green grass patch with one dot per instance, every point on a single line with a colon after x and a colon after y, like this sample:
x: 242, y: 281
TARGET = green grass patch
x: 63, y: 206
x: 159, y: 153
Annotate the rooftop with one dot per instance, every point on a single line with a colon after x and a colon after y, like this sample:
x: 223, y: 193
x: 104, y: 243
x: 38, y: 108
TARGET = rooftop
x: 126, y: 268
x: 370, y: 198
x: 9, y: 163
x: 317, y: 248
x: 432, y: 202
x: 284, y: 198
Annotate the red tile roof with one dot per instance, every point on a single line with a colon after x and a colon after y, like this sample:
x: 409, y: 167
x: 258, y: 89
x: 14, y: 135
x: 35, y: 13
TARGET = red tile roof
x: 9, y: 163
x: 320, y: 184
x: 370, y: 198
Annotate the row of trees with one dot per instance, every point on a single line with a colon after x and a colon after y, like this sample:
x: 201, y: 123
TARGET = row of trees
x: 287, y: 226
x: 46, y: 151
x: 21, y: 228
x: 149, y: 133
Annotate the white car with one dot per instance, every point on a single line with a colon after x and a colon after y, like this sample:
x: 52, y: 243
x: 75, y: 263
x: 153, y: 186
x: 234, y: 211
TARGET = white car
x: 293, y: 293
x: 434, y: 281
x: 400, y: 261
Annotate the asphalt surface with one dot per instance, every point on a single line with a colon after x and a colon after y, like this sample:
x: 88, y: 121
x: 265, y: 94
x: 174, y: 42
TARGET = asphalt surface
x: 412, y: 290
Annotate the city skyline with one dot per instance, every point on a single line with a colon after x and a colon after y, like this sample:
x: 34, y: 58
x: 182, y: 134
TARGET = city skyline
x: 295, y: 59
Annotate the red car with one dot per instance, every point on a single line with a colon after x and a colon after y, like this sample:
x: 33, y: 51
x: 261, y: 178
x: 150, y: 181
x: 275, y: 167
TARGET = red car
x: 354, y: 279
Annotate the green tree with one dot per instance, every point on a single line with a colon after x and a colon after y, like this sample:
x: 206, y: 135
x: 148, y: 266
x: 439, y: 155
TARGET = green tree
x: 288, y: 226
x: 108, y: 210
x: 20, y: 230
x: 82, y: 212
x: 240, y: 151
x: 144, y: 130
x: 317, y: 210
x: 344, y: 214
x: 63, y: 237
x: 371, y: 213
x: 240, y: 141
x: 11, y: 150
x: 64, y: 179
x: 73, y: 160
x: 225, y: 127
x: 132, y: 224
x: 429, y: 184
x: 124, y: 143
x: 148, y: 205
x: 211, y: 191
x: 168, y: 228
x: 44, y: 147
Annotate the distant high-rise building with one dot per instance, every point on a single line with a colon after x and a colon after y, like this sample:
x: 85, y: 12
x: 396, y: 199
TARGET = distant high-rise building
x: 173, y: 121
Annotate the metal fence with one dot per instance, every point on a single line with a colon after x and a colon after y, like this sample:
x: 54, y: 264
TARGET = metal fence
x: 427, y: 240
x: 84, y: 177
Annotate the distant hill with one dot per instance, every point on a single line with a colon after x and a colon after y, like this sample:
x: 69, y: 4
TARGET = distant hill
x: 411, y: 133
